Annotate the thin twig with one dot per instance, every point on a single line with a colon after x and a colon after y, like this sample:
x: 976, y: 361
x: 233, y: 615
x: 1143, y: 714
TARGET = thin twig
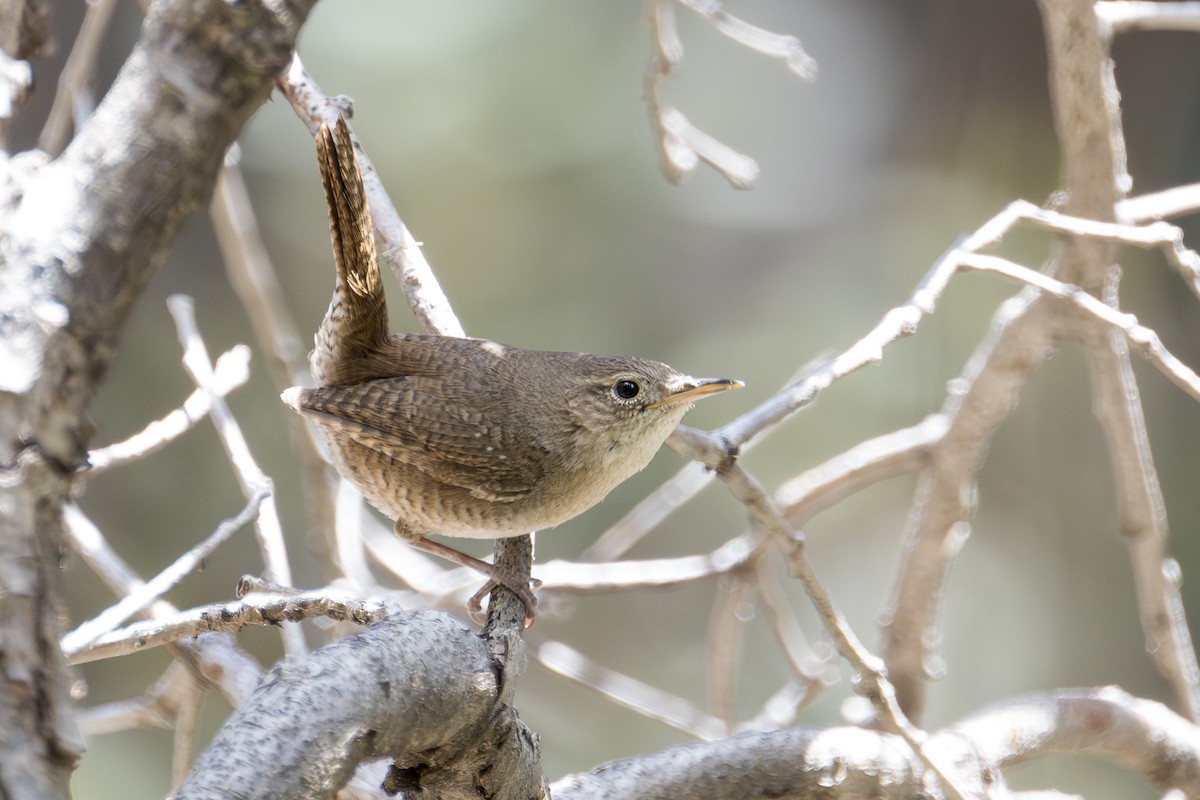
x: 1145, y: 340
x: 1169, y: 203
x: 809, y: 668
x: 143, y: 596
x: 252, y: 610
x: 782, y: 707
x: 233, y: 672
x: 1143, y: 521
x: 232, y: 371
x: 154, y: 708
x: 348, y: 542
x: 1128, y: 15
x: 250, y: 477
x: 898, y: 453
x: 400, y: 250
x: 253, y: 277
x: 681, y: 145
x: 187, y: 716
x: 725, y: 623
x: 1163, y: 236
x: 872, y: 681
x: 648, y: 514
x: 786, y: 48
x: 69, y: 98
x: 629, y: 692
x: 591, y: 576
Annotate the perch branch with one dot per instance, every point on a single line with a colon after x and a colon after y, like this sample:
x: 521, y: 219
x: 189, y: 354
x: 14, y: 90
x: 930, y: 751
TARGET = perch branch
x: 457, y: 737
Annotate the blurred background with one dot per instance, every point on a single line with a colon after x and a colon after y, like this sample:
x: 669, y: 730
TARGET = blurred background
x: 514, y: 140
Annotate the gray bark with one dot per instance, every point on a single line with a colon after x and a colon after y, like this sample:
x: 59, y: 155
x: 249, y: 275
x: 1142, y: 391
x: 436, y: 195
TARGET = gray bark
x: 422, y: 685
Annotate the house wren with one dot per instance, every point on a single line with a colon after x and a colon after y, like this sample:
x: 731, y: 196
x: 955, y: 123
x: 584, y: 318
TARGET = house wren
x: 468, y: 437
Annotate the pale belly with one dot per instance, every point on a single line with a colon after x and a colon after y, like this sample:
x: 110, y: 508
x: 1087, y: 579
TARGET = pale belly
x: 425, y: 506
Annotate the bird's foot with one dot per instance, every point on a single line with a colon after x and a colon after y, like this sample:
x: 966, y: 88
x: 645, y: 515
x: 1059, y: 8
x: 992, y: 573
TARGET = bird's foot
x: 524, y: 590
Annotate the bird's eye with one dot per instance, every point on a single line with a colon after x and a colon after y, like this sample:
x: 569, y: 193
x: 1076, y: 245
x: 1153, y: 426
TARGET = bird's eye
x: 626, y: 389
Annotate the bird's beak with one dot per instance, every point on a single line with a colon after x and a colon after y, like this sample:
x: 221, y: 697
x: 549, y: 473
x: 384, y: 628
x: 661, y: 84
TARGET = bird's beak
x: 696, y: 388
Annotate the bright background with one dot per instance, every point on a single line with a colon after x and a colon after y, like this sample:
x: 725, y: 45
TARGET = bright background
x: 513, y: 139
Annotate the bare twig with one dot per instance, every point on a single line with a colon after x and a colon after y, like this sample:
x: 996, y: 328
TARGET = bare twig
x: 154, y: 708
x: 233, y: 672
x: 400, y: 251
x: 725, y: 623
x: 609, y: 575
x: 784, y: 47
x: 252, y: 479
x: 232, y: 370
x: 1142, y: 338
x: 252, y: 610
x: 350, y: 548
x: 809, y: 668
x: 187, y: 714
x: 1143, y: 519
x: 253, y: 278
x: 630, y: 529
x: 1127, y: 15
x: 871, y: 674
x: 141, y: 597
x: 781, y: 708
x: 681, y: 144
x: 897, y: 453
x: 1160, y: 235
x: 1174, y: 202
x: 629, y: 692
x: 70, y: 100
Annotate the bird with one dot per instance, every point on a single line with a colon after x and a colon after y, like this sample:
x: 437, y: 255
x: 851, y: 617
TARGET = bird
x: 467, y: 437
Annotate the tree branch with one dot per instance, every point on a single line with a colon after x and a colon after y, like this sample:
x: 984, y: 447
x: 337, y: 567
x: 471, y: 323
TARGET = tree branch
x: 80, y: 236
x: 420, y: 688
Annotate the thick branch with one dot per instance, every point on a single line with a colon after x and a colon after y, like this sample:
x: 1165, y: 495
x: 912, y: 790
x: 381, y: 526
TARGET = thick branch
x: 80, y: 236
x: 831, y: 763
x: 419, y: 688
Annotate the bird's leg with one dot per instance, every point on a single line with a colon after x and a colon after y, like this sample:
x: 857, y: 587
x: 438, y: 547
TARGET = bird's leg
x: 517, y: 584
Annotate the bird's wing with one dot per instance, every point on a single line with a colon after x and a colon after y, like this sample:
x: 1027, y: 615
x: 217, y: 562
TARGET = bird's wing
x: 452, y: 439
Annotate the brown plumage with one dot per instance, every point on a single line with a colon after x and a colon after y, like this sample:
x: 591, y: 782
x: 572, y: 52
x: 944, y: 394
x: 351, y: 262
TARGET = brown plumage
x: 468, y: 437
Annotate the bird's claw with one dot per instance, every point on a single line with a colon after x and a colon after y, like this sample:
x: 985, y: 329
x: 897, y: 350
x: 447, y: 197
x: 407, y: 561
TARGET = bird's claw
x: 523, y: 591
